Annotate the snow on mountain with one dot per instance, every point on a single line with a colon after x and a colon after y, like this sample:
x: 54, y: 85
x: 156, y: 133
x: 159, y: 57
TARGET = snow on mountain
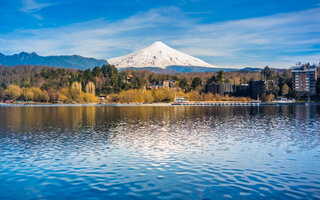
x: 157, y: 55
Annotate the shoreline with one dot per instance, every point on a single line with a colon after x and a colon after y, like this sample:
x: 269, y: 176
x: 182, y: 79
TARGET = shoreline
x: 204, y: 104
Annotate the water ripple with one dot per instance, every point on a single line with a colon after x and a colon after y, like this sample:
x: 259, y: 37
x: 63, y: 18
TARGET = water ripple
x: 160, y: 152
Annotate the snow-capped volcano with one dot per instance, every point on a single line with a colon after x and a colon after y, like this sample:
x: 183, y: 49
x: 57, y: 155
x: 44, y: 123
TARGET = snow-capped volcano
x: 157, y: 55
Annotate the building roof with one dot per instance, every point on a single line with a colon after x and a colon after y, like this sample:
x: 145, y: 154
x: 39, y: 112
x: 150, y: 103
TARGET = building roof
x: 304, y: 68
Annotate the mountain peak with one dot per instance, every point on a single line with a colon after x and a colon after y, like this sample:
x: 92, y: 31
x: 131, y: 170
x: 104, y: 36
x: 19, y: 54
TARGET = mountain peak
x: 157, y: 54
x: 158, y: 44
x: 23, y: 53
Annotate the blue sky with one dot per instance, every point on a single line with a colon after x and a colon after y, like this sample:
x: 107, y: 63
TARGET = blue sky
x: 226, y: 33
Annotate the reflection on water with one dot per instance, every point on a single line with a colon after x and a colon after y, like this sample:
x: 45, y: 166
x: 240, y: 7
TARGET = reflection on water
x: 265, y: 152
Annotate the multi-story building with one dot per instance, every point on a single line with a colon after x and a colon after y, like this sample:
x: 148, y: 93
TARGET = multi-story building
x: 304, y: 79
x: 221, y: 88
x: 228, y: 89
x: 169, y: 83
x: 242, y: 90
x: 257, y: 88
x: 254, y: 89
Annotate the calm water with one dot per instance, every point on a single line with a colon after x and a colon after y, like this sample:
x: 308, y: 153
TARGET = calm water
x: 265, y: 152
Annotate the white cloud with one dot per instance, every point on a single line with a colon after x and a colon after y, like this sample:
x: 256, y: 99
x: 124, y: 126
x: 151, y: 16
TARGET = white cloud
x: 270, y: 40
x: 98, y: 38
x: 31, y: 7
x: 258, y: 40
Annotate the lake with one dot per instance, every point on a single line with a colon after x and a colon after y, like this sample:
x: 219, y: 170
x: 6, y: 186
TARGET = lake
x: 160, y: 152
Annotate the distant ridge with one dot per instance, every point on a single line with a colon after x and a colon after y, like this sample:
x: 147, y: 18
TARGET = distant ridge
x: 157, y: 55
x: 83, y: 63
x: 190, y: 69
x: 74, y: 61
x: 183, y: 69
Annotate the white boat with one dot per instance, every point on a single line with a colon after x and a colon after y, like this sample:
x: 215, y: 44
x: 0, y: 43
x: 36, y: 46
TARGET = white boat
x: 180, y: 101
x: 256, y: 101
x: 284, y: 100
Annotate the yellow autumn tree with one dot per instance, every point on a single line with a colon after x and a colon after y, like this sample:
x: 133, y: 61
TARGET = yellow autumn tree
x: 27, y: 94
x: 127, y: 96
x: 147, y: 96
x: 90, y: 88
x: 13, y: 92
x: 64, y: 95
x: 76, y: 86
x: 194, y: 96
x: 169, y: 95
x: 207, y: 97
x: 76, y: 92
x: 89, y: 98
x: 37, y: 93
x: 218, y: 97
x: 135, y: 96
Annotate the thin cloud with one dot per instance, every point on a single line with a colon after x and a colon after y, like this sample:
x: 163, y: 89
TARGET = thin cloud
x: 249, y: 42
x: 267, y: 37
x: 31, y: 7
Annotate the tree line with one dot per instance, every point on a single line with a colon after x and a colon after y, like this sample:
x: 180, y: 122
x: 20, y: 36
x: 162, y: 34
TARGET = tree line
x: 50, y: 84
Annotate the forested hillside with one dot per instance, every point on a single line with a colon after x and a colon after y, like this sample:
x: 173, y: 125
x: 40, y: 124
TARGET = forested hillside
x: 42, y: 83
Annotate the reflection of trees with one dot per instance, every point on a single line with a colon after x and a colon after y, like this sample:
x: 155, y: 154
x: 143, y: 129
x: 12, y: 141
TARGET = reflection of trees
x: 151, y: 125
x: 89, y: 113
x: 24, y: 118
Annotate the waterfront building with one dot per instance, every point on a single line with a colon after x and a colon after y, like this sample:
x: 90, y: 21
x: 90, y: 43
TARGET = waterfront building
x: 242, y: 90
x: 257, y: 87
x: 172, y: 84
x: 221, y: 88
x: 304, y: 79
x: 169, y: 84
x: 254, y: 89
x: 228, y: 89
x: 166, y: 83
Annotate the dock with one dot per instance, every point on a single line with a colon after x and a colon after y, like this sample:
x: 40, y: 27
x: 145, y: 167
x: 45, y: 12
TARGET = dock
x: 228, y: 104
